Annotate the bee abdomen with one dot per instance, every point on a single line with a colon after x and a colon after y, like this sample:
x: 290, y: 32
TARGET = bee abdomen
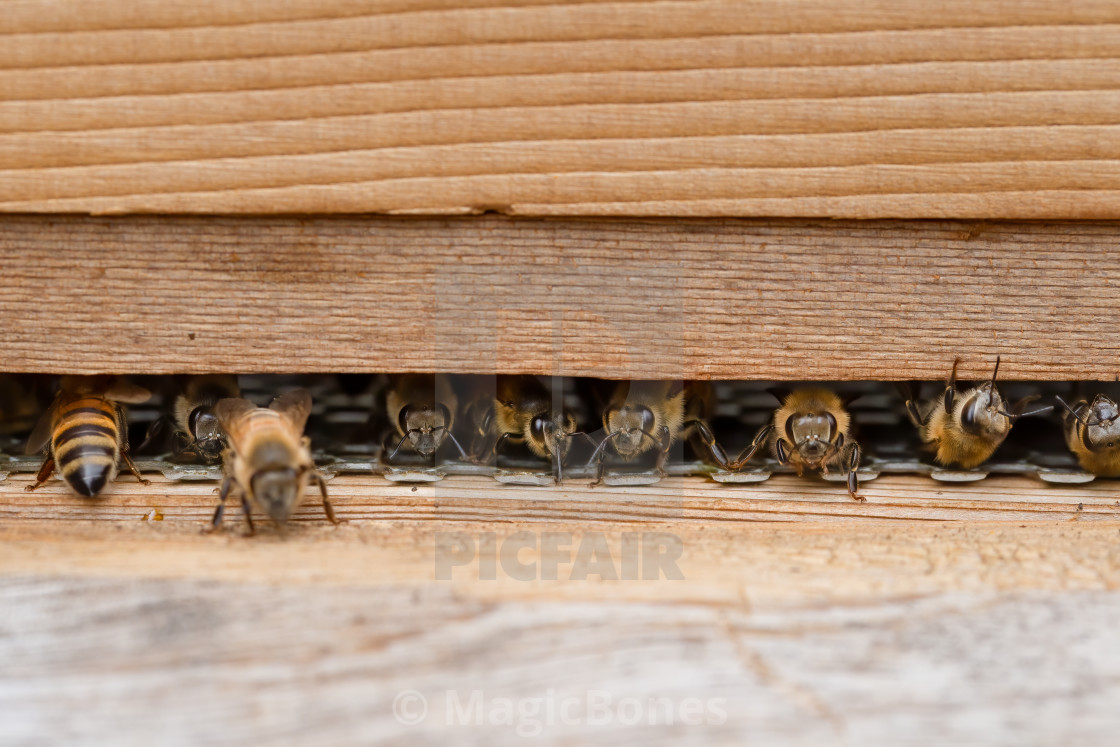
x: 86, y: 446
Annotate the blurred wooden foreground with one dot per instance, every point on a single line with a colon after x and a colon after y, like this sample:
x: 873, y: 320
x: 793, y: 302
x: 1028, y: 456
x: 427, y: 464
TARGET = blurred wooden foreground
x: 800, y: 615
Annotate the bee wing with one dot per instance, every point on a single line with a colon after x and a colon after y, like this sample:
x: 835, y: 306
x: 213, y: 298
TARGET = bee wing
x: 123, y: 391
x: 230, y: 412
x: 294, y: 406
x: 41, y: 434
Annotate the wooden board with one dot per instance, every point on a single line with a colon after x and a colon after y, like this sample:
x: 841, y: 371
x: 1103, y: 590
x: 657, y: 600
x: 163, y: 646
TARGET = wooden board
x: 800, y: 616
x: 724, y: 299
x: 881, y: 108
x: 681, y: 501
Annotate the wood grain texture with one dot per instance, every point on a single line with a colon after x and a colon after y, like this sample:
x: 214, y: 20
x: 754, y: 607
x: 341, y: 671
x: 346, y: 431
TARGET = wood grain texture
x: 804, y: 629
x: 682, y: 502
x: 722, y: 299
x: 814, y: 108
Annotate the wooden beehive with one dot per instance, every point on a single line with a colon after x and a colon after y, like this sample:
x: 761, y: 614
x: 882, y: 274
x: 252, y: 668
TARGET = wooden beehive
x: 723, y: 190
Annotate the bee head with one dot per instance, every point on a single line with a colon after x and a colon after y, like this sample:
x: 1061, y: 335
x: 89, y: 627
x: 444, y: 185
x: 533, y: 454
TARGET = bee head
x: 983, y: 412
x: 631, y: 429
x: 276, y: 491
x: 426, y: 427
x: 1102, y: 427
x: 812, y: 434
x: 550, y: 435
x: 207, y: 434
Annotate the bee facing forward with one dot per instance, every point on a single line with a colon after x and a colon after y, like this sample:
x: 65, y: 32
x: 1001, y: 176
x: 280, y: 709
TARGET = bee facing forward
x: 1092, y: 432
x: 85, y: 433
x: 269, y: 459
x: 422, y: 409
x: 965, y: 429
x: 812, y: 429
x: 643, y: 416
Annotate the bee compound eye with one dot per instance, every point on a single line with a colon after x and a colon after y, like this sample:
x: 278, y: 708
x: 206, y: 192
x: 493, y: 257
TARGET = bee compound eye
x: 647, y: 419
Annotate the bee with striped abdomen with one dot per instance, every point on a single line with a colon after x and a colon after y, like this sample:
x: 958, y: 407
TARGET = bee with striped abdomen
x: 422, y: 409
x: 965, y: 429
x: 269, y: 459
x: 85, y: 433
x: 813, y: 430
x: 1092, y: 431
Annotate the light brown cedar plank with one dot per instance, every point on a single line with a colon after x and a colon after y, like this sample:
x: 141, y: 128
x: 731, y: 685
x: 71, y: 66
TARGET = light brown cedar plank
x: 570, y: 89
x: 547, y: 109
x: 256, y: 184
x: 725, y: 299
x: 677, y: 17
x: 687, y: 119
x: 813, y: 51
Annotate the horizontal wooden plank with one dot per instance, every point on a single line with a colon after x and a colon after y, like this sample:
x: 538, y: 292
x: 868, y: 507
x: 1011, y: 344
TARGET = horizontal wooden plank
x: 680, y: 501
x: 819, y: 108
x: 721, y: 299
x: 800, y: 628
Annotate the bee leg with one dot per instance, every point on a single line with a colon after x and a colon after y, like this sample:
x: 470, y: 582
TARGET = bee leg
x: 852, y: 455
x: 326, y: 501
x: 748, y: 453
x: 498, y: 444
x: 783, y: 451
x: 220, y: 511
x: 709, y: 439
x: 663, y: 455
x: 43, y: 474
x: 247, y: 512
x: 600, y: 464
x: 132, y: 468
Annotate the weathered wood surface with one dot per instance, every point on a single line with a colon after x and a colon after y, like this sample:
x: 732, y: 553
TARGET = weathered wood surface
x: 816, y: 108
x: 682, y: 501
x: 725, y: 299
x: 873, y: 631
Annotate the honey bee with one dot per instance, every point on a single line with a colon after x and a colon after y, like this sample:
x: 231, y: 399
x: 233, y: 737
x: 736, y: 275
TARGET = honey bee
x: 1092, y: 431
x: 813, y: 429
x: 965, y: 429
x: 195, y: 418
x: 422, y: 409
x: 85, y: 432
x: 522, y: 412
x: 268, y: 460
x: 643, y: 416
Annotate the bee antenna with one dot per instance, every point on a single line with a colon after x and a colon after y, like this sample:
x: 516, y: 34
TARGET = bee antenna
x: 457, y: 446
x: 397, y: 447
x: 1074, y: 414
x: 994, y: 372
x: 1039, y: 411
x: 608, y: 437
